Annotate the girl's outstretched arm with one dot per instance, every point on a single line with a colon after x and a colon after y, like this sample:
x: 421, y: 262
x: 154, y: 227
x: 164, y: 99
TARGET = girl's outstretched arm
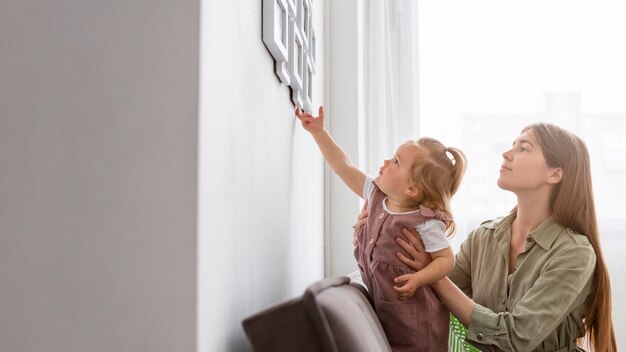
x: 334, y: 155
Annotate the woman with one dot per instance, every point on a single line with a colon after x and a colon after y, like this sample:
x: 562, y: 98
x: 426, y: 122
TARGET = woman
x: 534, y: 280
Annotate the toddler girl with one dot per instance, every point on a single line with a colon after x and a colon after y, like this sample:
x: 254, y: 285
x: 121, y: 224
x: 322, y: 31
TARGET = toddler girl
x: 412, y: 190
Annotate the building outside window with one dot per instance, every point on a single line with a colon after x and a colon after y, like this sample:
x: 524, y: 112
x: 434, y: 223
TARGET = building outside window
x: 489, y: 68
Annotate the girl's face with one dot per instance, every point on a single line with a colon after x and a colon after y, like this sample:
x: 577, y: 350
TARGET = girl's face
x: 524, y: 168
x: 394, y: 176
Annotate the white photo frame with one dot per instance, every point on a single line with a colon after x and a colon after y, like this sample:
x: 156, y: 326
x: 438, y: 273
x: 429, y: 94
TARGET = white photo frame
x: 312, y: 49
x: 276, y: 28
x: 298, y: 12
x: 291, y: 4
x: 296, y: 57
x: 307, y: 92
x: 296, y: 63
x: 276, y: 21
x: 305, y: 20
x: 283, y: 72
x: 289, y: 36
x: 296, y: 97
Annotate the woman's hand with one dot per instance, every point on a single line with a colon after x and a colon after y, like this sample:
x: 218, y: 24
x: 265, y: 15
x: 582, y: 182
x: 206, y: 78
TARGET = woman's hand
x: 360, y: 221
x: 415, y: 248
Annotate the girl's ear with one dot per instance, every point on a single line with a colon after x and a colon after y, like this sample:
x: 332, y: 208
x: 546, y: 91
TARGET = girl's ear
x: 412, y: 191
x: 556, y: 176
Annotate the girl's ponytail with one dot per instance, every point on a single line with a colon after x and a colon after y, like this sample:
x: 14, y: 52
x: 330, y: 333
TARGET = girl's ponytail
x: 438, y: 175
x: 459, y: 164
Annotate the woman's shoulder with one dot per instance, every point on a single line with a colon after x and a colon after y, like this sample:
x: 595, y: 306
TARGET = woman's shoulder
x: 492, y: 224
x: 487, y: 230
x: 492, y: 228
x: 563, y: 242
x: 578, y: 238
x: 573, y: 249
x: 571, y: 238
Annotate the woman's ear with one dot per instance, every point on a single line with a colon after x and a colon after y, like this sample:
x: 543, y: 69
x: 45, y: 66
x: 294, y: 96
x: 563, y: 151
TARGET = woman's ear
x: 556, y: 176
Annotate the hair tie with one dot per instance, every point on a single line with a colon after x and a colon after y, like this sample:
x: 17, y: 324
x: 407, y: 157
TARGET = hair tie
x: 449, y: 155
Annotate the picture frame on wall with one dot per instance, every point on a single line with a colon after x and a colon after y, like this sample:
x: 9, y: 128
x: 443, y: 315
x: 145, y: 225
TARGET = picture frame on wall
x: 307, y: 92
x: 305, y: 20
x: 276, y: 35
x: 282, y: 71
x: 296, y: 97
x: 289, y: 36
x: 312, y: 49
x: 296, y: 63
x: 291, y: 4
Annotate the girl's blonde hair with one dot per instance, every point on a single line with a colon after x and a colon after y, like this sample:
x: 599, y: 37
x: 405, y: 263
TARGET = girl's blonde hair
x: 573, y: 207
x: 438, y: 175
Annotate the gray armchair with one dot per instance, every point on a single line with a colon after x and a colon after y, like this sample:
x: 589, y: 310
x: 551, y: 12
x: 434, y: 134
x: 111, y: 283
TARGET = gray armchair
x: 332, y: 315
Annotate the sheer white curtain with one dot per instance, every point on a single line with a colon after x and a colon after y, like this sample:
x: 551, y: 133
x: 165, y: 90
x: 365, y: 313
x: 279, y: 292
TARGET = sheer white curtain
x: 390, y: 81
x: 477, y: 77
x: 486, y: 74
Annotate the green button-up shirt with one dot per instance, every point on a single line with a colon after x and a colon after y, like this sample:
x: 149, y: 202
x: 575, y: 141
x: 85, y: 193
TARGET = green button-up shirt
x: 540, y: 306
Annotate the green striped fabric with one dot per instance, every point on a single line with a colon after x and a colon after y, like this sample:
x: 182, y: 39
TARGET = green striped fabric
x: 457, y: 337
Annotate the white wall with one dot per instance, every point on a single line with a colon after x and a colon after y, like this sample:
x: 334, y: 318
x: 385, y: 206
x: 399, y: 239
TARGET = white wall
x: 150, y: 199
x: 260, y: 222
x: 98, y: 149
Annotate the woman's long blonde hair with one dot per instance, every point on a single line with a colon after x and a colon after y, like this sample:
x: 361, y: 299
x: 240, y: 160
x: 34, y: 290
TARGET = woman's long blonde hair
x: 438, y: 175
x: 573, y: 207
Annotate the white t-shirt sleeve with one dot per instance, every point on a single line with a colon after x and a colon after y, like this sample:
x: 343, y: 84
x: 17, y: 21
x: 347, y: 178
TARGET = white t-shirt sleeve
x: 433, y: 233
x: 368, y: 187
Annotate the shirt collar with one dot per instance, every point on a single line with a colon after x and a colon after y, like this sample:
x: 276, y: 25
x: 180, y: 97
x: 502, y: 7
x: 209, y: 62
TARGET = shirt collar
x: 544, y: 235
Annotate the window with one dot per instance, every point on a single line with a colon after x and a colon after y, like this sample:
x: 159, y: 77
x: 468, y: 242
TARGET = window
x: 489, y: 68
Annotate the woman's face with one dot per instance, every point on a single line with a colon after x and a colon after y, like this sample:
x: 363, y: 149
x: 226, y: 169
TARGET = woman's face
x: 524, y: 168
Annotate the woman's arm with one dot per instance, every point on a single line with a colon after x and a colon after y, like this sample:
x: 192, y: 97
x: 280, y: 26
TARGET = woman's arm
x: 452, y: 297
x: 562, y: 286
x: 360, y: 221
x: 441, y: 264
x: 459, y: 304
